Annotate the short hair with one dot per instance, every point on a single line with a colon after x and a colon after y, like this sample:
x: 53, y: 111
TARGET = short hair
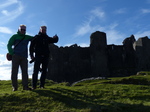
x: 43, y: 27
x: 22, y: 25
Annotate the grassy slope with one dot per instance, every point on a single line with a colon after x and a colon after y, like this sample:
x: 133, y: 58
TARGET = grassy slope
x: 126, y: 94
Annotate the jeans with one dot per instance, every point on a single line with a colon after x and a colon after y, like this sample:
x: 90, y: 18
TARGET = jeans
x: 23, y: 63
x: 40, y: 61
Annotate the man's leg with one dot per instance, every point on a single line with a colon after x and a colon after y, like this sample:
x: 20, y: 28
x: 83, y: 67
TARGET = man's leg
x: 24, y: 69
x: 14, y: 71
x: 44, y: 72
x: 35, y: 72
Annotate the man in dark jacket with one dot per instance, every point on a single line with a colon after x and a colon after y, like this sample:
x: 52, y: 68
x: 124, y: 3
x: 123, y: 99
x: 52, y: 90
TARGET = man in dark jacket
x: 39, y: 51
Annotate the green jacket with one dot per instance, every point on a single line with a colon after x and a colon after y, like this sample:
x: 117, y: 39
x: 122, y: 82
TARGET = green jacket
x: 22, y: 48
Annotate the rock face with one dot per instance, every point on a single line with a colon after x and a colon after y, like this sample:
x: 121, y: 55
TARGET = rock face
x: 74, y: 63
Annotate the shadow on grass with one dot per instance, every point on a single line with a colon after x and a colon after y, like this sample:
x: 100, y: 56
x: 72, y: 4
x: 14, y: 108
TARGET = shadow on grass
x: 141, y: 97
x: 121, y: 107
x: 70, y: 98
x: 74, y: 99
x: 14, y: 103
x: 130, y: 81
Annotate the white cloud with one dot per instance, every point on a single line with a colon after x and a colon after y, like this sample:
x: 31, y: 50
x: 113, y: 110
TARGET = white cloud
x: 84, y: 29
x: 142, y: 34
x: 145, y: 10
x: 5, y: 30
x: 5, y: 12
x: 1, y: 55
x: 113, y: 26
x: 87, y: 28
x: 8, y: 3
x: 5, y: 69
x: 98, y: 12
x: 5, y: 73
x: 114, y: 36
x: 68, y: 44
x: 10, y: 15
x: 4, y: 62
x: 83, y: 45
x: 2, y: 44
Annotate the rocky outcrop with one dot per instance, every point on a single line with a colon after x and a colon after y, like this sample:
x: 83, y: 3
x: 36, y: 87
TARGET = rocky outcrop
x: 74, y: 63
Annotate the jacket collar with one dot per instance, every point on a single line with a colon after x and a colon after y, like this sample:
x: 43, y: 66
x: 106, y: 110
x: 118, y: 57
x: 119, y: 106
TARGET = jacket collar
x: 42, y: 34
x: 20, y: 34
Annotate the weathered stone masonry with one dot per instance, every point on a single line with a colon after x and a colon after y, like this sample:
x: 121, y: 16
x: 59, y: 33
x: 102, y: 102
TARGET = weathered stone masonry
x: 99, y: 59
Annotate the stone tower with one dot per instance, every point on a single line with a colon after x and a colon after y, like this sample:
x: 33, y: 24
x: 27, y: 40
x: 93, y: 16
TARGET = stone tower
x: 142, y: 50
x: 98, y: 53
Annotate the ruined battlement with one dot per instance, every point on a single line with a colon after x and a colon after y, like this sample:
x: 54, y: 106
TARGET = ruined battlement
x: 74, y: 63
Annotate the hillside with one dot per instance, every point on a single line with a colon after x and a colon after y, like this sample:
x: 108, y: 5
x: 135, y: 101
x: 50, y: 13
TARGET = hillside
x: 120, y: 94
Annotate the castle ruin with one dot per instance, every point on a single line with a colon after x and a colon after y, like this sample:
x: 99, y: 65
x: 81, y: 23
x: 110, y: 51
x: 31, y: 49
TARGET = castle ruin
x: 74, y: 63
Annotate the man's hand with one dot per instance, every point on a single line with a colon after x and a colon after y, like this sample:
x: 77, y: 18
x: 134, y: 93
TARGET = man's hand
x: 55, y: 36
x: 32, y: 59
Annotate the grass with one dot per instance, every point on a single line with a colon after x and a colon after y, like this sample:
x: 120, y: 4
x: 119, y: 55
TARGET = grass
x: 120, y: 94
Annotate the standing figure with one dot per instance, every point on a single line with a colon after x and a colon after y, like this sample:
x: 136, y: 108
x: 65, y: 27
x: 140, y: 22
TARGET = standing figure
x: 18, y: 48
x: 39, y: 52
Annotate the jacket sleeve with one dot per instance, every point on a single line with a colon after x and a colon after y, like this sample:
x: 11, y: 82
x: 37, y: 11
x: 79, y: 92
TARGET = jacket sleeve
x: 53, y: 39
x: 10, y: 44
x: 30, y: 37
x: 32, y: 46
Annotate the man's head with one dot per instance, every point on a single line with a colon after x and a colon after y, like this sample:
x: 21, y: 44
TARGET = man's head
x: 43, y: 29
x: 22, y: 29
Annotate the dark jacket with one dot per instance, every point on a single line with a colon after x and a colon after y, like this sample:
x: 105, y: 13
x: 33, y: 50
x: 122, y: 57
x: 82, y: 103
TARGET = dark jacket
x: 40, y: 45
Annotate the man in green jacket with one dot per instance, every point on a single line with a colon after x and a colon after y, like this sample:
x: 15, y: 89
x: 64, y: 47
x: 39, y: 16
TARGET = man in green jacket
x: 18, y: 48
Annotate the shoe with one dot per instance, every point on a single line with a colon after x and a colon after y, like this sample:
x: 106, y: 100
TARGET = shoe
x: 27, y: 88
x: 41, y: 87
x: 33, y: 88
x: 14, y: 89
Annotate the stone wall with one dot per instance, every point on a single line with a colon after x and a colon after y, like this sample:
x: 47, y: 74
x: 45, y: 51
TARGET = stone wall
x: 69, y: 63
x: 74, y: 63
x: 142, y: 51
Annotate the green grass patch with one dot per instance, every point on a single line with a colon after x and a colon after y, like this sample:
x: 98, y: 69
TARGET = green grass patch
x: 120, y: 94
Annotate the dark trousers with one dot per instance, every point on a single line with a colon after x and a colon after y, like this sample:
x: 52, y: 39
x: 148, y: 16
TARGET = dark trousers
x: 40, y: 61
x: 23, y: 63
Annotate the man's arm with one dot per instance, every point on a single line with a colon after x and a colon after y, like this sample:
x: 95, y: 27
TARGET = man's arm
x: 53, y: 39
x: 32, y: 47
x: 10, y: 44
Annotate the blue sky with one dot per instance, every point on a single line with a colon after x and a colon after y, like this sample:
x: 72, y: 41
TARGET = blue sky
x: 73, y: 21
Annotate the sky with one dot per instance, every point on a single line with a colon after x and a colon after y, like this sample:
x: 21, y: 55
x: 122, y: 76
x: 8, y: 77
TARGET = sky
x: 73, y: 21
